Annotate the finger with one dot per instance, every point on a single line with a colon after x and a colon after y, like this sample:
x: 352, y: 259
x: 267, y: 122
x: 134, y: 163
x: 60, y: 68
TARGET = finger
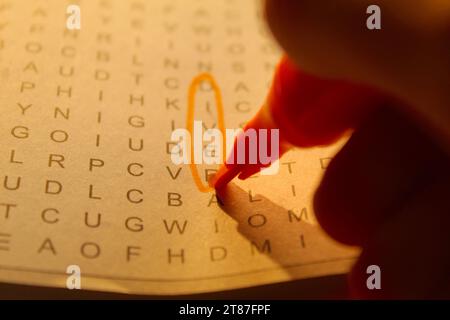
x: 408, y: 57
x: 379, y: 168
x: 312, y: 111
x: 411, y: 250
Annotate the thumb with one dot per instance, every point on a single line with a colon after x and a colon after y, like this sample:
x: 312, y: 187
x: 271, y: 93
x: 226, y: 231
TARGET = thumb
x: 408, y: 57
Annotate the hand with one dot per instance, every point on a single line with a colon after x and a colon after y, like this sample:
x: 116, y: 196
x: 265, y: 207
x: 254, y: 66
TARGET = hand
x: 387, y: 189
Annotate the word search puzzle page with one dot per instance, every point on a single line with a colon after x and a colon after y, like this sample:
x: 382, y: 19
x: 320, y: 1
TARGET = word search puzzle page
x: 87, y: 180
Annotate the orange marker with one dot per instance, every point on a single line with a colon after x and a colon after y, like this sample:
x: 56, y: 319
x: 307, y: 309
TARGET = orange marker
x: 308, y: 111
